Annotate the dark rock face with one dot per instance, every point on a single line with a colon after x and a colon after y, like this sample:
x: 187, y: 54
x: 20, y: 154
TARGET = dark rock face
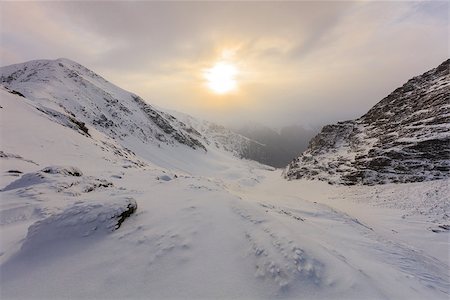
x: 403, y: 138
x: 128, y: 211
x: 17, y: 93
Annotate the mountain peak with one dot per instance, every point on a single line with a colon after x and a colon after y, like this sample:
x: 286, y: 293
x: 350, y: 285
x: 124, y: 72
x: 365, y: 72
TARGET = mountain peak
x: 71, y: 94
x: 65, y: 88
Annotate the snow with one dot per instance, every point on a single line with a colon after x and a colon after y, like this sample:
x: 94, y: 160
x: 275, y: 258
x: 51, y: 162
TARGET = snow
x: 403, y: 138
x: 207, y: 224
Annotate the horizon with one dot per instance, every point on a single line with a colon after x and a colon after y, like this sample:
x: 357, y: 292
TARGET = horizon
x: 174, y: 151
x: 282, y: 55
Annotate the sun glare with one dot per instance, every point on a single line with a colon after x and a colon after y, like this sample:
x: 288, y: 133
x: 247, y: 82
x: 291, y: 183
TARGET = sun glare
x: 221, y: 78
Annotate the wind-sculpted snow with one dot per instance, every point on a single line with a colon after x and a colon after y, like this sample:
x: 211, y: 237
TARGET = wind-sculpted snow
x: 208, y: 224
x: 428, y: 199
x: 25, y: 181
x: 61, y: 179
x: 403, y: 138
x: 277, y: 259
x: 78, y: 220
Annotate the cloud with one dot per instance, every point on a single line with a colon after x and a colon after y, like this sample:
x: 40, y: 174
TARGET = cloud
x: 300, y: 62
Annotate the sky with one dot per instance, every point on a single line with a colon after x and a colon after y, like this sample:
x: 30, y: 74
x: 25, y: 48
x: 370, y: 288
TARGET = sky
x: 305, y: 63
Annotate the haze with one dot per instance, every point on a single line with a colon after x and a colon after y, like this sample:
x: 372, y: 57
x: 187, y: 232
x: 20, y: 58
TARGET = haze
x: 299, y: 62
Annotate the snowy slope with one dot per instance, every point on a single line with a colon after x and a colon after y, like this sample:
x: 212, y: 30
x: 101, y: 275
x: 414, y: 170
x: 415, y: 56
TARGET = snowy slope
x: 403, y: 138
x: 221, y: 137
x: 83, y: 217
x: 63, y: 88
x: 76, y: 97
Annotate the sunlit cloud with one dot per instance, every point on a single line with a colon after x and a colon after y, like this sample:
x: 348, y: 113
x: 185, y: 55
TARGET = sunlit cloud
x: 295, y: 62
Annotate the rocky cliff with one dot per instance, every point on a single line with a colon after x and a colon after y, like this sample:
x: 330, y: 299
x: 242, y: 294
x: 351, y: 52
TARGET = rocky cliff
x: 403, y: 138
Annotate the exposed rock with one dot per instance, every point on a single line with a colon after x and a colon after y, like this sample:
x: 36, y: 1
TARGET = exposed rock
x: 221, y: 137
x: 403, y: 138
x: 78, y: 221
x: 17, y: 93
x: 70, y: 171
x: 77, y: 98
x: 74, y: 90
x: 161, y: 119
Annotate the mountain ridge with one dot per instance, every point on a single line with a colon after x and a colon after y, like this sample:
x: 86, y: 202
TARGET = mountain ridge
x: 74, y: 96
x: 75, y: 203
x: 403, y: 138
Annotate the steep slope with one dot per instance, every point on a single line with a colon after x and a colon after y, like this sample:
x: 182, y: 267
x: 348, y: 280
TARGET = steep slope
x: 83, y: 217
x: 403, y: 138
x: 63, y: 89
x: 221, y: 137
x: 76, y: 97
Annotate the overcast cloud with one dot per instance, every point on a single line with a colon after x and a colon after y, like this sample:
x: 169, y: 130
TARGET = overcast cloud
x: 300, y: 62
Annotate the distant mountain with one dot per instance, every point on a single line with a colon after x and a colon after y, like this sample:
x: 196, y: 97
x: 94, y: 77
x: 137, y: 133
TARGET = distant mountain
x: 76, y: 97
x: 100, y: 191
x: 403, y: 138
x: 280, y: 147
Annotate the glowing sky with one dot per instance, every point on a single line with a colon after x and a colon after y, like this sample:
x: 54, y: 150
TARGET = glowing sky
x: 297, y: 62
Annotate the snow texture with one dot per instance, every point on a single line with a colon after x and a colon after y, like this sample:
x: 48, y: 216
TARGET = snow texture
x: 96, y: 211
x: 403, y: 138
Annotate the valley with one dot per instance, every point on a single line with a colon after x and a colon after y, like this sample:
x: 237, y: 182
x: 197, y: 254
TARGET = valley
x: 93, y: 207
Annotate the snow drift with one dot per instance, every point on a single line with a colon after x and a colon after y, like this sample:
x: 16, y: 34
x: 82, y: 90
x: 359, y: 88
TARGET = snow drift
x: 209, y: 225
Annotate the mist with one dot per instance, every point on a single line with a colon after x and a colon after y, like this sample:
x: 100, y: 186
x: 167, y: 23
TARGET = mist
x: 300, y: 63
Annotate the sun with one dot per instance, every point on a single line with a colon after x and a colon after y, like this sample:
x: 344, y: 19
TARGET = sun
x: 221, y: 78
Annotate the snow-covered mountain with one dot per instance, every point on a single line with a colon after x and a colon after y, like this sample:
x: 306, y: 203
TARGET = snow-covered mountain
x: 226, y: 139
x: 76, y: 97
x: 403, y: 138
x: 93, y: 211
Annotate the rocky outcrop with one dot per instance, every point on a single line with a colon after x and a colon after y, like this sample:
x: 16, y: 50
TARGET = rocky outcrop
x: 403, y: 138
